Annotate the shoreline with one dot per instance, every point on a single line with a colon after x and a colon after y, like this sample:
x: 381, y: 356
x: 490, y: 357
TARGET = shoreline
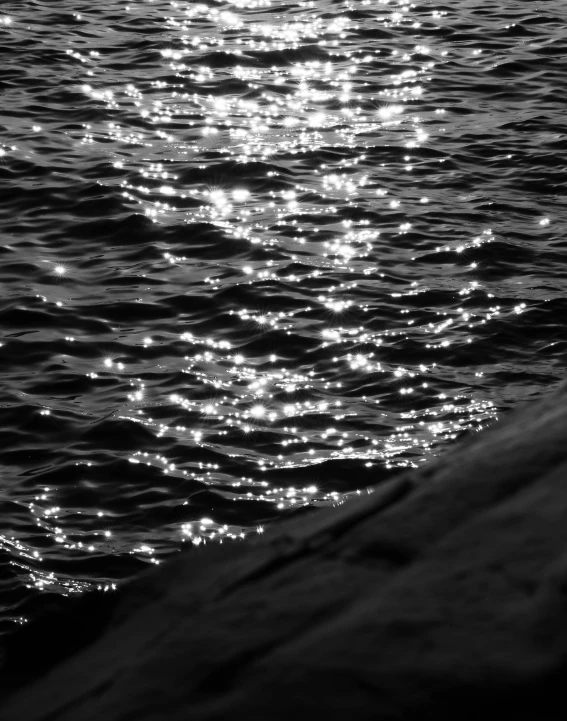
x: 439, y: 594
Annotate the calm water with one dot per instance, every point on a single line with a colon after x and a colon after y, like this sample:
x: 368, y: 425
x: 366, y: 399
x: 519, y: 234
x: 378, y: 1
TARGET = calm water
x: 258, y: 255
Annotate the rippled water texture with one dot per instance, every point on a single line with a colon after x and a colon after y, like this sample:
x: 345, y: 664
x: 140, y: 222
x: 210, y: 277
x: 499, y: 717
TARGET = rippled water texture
x: 258, y: 255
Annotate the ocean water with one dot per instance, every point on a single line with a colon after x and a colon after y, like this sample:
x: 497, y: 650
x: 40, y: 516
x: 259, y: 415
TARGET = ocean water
x: 256, y: 256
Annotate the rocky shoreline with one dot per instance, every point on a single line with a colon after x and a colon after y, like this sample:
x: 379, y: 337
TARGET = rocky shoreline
x: 441, y: 594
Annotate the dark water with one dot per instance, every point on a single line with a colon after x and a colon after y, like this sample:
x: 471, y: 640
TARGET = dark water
x: 256, y: 255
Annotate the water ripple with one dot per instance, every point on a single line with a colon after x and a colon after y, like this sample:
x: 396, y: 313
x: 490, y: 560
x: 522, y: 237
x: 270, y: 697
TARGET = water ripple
x: 257, y: 256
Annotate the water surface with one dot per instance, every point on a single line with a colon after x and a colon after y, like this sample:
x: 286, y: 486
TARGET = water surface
x: 258, y: 255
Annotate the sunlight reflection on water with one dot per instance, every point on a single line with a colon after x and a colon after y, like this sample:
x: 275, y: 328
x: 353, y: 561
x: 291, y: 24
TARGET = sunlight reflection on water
x: 303, y: 300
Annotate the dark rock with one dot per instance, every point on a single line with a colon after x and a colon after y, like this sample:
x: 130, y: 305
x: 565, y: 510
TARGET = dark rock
x: 441, y: 595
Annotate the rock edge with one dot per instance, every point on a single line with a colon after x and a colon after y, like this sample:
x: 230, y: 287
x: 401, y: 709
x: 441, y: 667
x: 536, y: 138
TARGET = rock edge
x: 439, y: 595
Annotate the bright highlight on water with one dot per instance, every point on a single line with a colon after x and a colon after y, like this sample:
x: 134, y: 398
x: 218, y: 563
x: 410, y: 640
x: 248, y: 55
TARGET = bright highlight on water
x: 258, y: 255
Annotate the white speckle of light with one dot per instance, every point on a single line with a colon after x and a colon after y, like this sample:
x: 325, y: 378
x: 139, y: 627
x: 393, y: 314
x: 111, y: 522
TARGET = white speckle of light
x: 317, y: 120
x: 240, y: 194
x: 544, y: 221
x: 108, y: 362
x: 167, y: 190
x: 60, y: 270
